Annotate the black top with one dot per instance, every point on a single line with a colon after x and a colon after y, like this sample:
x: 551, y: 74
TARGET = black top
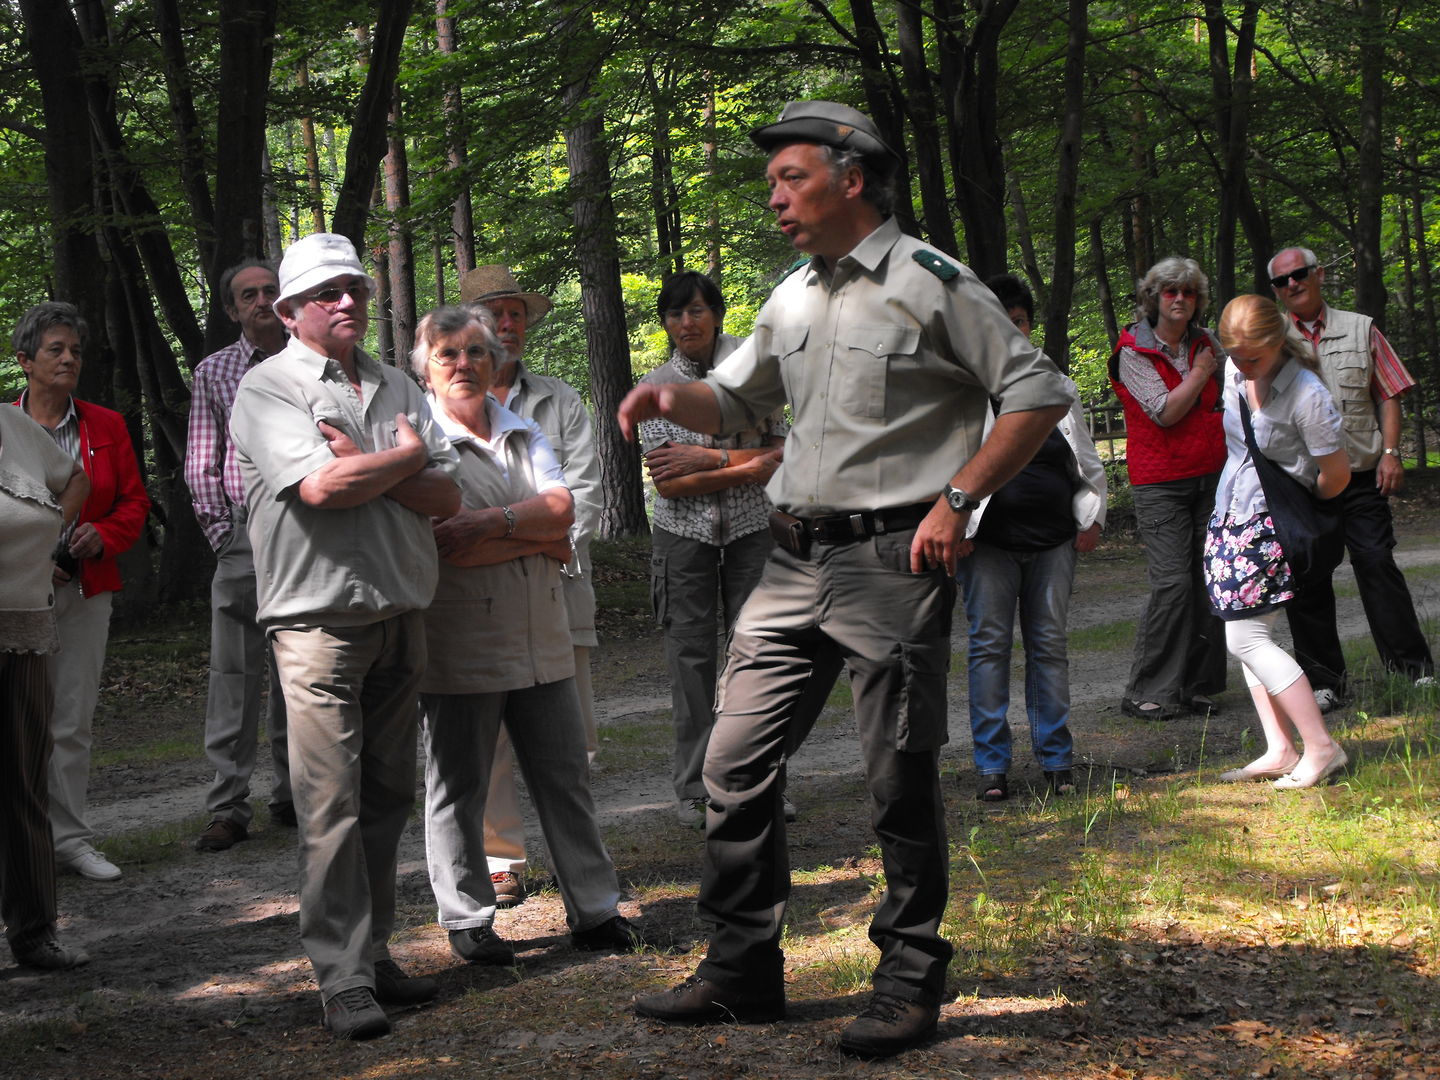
x: 1032, y: 512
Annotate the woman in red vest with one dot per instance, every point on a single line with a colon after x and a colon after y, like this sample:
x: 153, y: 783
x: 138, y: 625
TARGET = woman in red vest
x: 1164, y: 370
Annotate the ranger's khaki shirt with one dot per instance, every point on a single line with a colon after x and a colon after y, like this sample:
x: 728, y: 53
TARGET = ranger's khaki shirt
x: 888, y: 367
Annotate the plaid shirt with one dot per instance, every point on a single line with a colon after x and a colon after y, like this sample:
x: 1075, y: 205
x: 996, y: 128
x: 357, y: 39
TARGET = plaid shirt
x: 211, y: 471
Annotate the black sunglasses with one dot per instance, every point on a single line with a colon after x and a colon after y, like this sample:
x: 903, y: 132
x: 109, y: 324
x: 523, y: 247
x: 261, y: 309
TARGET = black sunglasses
x: 1299, y: 276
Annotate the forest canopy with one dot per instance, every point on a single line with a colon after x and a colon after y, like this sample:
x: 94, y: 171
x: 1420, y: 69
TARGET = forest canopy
x: 596, y: 147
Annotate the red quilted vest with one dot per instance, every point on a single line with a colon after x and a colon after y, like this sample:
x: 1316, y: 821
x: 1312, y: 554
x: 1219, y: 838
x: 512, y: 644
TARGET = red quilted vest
x: 1193, y: 447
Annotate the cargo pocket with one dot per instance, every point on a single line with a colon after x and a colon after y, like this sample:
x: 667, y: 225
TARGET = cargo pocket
x: 921, y: 720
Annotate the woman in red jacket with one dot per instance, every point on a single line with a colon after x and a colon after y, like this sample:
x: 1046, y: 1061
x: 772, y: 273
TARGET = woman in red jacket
x: 1163, y: 370
x: 47, y: 344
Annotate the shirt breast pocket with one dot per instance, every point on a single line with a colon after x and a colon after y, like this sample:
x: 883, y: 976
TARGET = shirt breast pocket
x: 871, y: 352
x: 789, y: 346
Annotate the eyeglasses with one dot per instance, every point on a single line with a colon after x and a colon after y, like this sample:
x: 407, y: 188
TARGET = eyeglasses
x: 451, y: 357
x: 331, y: 295
x: 696, y: 313
x: 1173, y: 291
x: 1298, y: 275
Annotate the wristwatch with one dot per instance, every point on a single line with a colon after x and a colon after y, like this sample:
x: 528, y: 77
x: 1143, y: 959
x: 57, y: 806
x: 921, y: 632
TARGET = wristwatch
x: 959, y: 501
x: 1393, y: 451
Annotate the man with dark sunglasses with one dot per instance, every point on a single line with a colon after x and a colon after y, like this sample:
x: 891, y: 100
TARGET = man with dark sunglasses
x: 1366, y: 379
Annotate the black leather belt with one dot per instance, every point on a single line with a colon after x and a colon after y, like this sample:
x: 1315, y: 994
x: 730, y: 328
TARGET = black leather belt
x: 863, y: 524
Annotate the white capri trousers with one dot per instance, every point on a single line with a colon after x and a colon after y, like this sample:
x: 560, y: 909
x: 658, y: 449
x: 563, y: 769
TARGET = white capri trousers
x: 1251, y: 641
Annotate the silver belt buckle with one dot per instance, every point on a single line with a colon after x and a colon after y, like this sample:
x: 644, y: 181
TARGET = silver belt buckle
x: 857, y: 526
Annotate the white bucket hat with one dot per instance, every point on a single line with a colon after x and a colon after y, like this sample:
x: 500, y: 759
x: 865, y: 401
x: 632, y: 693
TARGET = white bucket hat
x: 315, y: 259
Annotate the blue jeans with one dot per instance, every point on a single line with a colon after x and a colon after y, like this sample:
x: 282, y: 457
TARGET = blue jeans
x: 993, y: 581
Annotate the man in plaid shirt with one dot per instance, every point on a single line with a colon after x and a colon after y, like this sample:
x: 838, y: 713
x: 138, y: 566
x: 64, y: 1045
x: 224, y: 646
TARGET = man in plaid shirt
x: 239, y: 654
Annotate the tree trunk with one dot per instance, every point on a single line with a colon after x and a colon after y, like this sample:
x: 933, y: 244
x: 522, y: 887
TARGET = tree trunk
x: 180, y: 91
x: 1102, y: 280
x: 270, y: 207
x: 1427, y: 342
x: 312, y: 154
x: 980, y: 164
x: 1062, y: 278
x: 462, y: 218
x: 664, y: 198
x: 402, y: 241
x: 715, y: 259
x: 366, y: 148
x: 1369, y: 165
x: 920, y: 103
x: 883, y: 96
x: 144, y: 223
x: 1026, y: 239
x: 607, y: 341
x: 53, y: 42
x: 247, y: 30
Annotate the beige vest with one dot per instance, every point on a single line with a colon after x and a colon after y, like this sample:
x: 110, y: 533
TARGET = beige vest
x: 1348, y: 368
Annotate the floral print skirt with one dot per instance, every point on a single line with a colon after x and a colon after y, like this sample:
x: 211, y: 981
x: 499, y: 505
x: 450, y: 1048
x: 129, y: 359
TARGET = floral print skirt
x: 1245, y: 570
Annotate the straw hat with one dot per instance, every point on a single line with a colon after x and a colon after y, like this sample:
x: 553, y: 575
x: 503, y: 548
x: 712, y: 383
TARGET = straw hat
x: 495, y: 282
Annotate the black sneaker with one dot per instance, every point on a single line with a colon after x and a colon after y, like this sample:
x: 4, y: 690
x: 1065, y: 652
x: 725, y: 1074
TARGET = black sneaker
x: 394, y: 987
x: 283, y: 814
x: 481, y: 945
x: 47, y: 954
x: 615, y: 934
x: 354, y: 1014
x: 888, y: 1025
x: 696, y: 1001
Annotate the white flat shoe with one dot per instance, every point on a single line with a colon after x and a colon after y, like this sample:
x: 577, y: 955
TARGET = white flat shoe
x: 1334, y: 765
x: 1249, y: 772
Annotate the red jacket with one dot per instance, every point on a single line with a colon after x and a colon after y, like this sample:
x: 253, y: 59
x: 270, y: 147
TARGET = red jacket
x: 1193, y: 446
x: 117, y: 503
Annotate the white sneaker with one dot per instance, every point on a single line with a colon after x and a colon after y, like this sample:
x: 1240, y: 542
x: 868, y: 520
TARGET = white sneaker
x: 691, y: 813
x: 1326, y: 700
x: 90, y: 864
x: 1425, y: 680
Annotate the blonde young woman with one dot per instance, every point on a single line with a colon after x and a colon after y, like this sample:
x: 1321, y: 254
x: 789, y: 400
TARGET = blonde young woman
x: 1296, y: 425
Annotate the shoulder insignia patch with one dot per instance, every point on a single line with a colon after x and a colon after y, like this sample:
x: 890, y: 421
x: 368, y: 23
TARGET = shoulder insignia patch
x: 939, y: 266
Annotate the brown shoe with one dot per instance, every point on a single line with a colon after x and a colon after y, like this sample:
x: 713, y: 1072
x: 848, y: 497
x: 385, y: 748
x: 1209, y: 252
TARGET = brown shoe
x: 696, y: 1001
x: 221, y: 835
x: 888, y: 1025
x: 509, y: 891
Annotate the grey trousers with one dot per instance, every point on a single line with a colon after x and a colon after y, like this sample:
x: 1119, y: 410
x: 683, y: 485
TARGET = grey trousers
x: 689, y: 581
x: 351, y: 693
x: 548, y: 737
x: 856, y: 605
x: 240, y: 664
x: 1179, y: 641
x: 27, y: 853
x: 83, y: 623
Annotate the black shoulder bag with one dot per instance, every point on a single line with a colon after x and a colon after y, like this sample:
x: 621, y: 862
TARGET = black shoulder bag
x: 1308, y: 528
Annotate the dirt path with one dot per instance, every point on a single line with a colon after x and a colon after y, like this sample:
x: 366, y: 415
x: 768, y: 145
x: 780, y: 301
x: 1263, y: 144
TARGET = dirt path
x: 207, y: 933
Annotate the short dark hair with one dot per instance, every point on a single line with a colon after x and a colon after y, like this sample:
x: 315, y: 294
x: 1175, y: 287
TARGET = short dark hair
x: 227, y: 280
x: 41, y: 317
x: 679, y: 288
x: 1012, y: 293
x: 879, y: 189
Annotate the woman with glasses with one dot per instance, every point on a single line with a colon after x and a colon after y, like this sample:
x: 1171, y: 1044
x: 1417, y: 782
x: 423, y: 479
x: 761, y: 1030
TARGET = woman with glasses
x: 500, y: 653
x: 1164, y: 370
